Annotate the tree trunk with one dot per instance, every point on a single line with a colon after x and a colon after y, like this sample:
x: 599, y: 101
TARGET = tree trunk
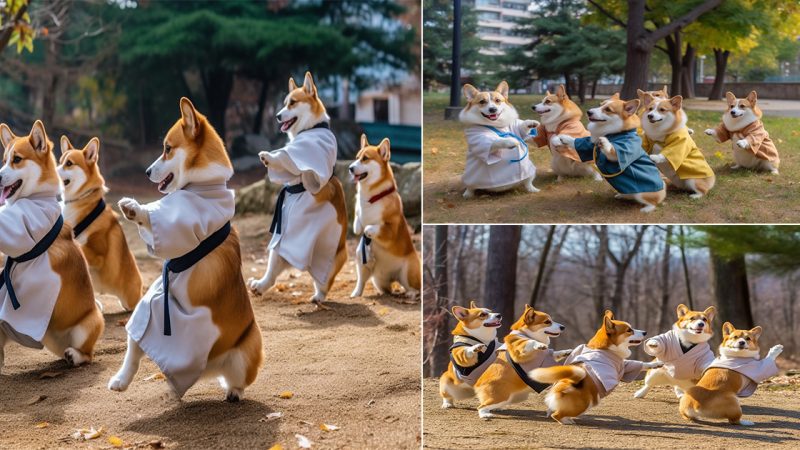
x: 554, y: 257
x: 721, y: 65
x: 687, y: 72
x: 665, y: 318
x: 600, y: 272
x: 218, y: 84
x: 258, y: 122
x: 567, y: 86
x: 674, y: 49
x: 731, y: 290
x: 685, y: 264
x: 581, y: 89
x: 440, y: 356
x: 542, y: 264
x: 594, y: 88
x: 500, y: 285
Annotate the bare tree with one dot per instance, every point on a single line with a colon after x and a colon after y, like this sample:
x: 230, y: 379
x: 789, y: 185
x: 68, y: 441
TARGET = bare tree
x: 500, y: 285
x: 441, y: 343
x: 622, y: 263
x: 731, y: 290
x: 664, y: 316
x: 542, y: 264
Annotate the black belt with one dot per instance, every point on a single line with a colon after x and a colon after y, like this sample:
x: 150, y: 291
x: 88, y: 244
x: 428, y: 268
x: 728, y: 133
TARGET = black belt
x: 535, y: 385
x: 35, y: 252
x: 482, y: 357
x: 365, y: 242
x: 88, y: 220
x: 178, y: 265
x: 277, y: 216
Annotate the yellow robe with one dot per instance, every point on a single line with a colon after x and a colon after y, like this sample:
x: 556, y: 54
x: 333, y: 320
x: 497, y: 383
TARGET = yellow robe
x: 682, y: 154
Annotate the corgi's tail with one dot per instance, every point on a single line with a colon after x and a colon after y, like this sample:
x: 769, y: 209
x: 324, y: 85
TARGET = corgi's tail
x: 554, y: 374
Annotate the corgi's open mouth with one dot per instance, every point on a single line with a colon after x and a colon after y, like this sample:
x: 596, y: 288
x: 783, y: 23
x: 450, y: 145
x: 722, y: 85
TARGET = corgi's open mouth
x: 542, y: 112
x: 655, y: 120
x: 596, y: 120
x: 9, y: 191
x: 695, y: 330
x: 550, y: 333
x: 359, y: 176
x: 288, y: 124
x: 635, y: 341
x: 493, y: 116
x: 493, y: 324
x: 165, y: 182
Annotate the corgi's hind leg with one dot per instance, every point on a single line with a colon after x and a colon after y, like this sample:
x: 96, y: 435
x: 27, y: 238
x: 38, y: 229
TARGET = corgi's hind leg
x: 82, y: 338
x: 654, y: 377
x: 2, y: 350
x: 241, y: 364
x: 275, y: 267
x: 412, y: 277
x: 528, y: 185
x: 133, y: 356
x: 321, y: 289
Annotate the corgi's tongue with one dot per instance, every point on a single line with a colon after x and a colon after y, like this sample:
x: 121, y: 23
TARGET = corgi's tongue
x: 491, y: 116
x: 288, y: 124
x: 8, y: 191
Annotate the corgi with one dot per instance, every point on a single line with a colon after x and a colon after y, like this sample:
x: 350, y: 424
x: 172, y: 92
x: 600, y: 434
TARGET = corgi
x: 309, y: 226
x: 560, y: 115
x: 497, y: 154
x: 592, y: 371
x: 621, y: 159
x: 752, y: 146
x: 684, y: 350
x: 474, y: 349
x: 196, y: 320
x: 525, y: 348
x: 735, y: 373
x: 667, y: 140
x: 46, y: 295
x: 95, y: 225
x: 386, y: 252
x: 645, y: 97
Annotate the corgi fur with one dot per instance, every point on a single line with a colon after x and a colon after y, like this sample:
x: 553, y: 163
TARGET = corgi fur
x: 111, y: 263
x: 302, y: 110
x: 736, y: 120
x: 573, y: 391
x: 500, y: 385
x: 692, y: 327
x: 393, y: 256
x: 195, y: 153
x: 29, y: 168
x: 714, y: 396
x: 493, y: 108
x: 646, y: 97
x: 554, y: 111
x: 661, y: 117
x: 481, y: 324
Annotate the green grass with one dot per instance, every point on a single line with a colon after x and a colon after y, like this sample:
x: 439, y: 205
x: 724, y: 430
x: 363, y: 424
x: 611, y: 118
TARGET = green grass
x: 740, y: 196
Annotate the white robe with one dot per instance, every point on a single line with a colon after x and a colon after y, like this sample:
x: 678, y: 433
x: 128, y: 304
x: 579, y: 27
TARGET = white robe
x: 680, y: 365
x: 22, y: 225
x: 486, y: 169
x: 604, y: 367
x: 754, y: 370
x: 180, y: 221
x: 310, y: 230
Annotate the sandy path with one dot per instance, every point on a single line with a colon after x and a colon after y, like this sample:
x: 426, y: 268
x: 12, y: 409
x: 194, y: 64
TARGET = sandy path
x: 619, y: 422
x: 356, y: 367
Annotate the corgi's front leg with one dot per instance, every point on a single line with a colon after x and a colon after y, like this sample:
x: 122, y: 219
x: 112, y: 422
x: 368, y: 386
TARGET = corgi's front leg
x: 742, y: 144
x: 130, y: 366
x: 134, y: 212
x: 533, y: 345
x: 607, y: 149
x: 562, y: 353
x: 774, y: 352
x: 652, y: 365
x: 363, y: 273
x: 371, y: 231
x: 562, y: 140
x: 358, y: 227
x: 713, y: 133
x: 275, y: 267
x: 471, y: 352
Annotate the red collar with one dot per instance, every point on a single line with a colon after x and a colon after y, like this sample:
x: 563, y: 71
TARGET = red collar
x: 380, y: 195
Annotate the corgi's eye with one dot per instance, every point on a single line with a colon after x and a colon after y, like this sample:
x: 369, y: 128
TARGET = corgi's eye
x: 547, y: 102
x: 747, y: 338
x: 548, y: 322
x: 68, y: 164
x: 483, y: 102
x: 630, y: 330
x: 292, y: 102
x: 16, y: 160
x: 167, y: 149
x: 364, y: 158
x: 482, y: 315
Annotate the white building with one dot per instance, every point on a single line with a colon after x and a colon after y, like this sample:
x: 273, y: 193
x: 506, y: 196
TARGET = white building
x: 496, y: 23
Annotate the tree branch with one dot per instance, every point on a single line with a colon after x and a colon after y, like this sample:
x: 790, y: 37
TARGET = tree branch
x: 681, y: 22
x: 5, y: 36
x: 608, y: 14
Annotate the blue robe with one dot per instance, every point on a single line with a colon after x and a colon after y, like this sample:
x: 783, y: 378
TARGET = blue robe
x: 639, y: 172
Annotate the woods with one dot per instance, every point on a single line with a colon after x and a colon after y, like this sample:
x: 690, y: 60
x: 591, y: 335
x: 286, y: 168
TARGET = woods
x: 641, y: 272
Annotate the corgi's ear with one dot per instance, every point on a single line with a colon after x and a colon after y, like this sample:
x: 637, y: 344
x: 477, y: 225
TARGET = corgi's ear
x: 646, y: 99
x: 615, y: 96
x: 364, y: 141
x: 631, y: 106
x: 292, y: 84
x: 460, y: 312
x: 66, y: 145
x: 547, y: 93
x: 472, y: 304
x: 676, y: 102
x: 730, y: 97
x: 710, y: 312
x: 530, y: 314
x: 608, y: 324
x: 469, y: 91
x: 756, y: 332
x: 308, y: 85
x: 502, y: 89
x: 727, y: 329
x: 6, y: 135
x: 666, y: 94
x: 608, y: 314
x: 38, y: 137
x: 384, y: 149
x: 92, y: 150
x: 752, y: 97
x: 189, y: 116
x: 561, y: 93
x: 682, y: 310
x: 642, y: 96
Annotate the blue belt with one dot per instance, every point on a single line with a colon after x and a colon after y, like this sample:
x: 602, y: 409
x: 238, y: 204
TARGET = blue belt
x: 505, y: 134
x: 277, y: 216
x: 365, y: 241
x: 178, y: 265
x: 35, y: 252
x: 88, y: 220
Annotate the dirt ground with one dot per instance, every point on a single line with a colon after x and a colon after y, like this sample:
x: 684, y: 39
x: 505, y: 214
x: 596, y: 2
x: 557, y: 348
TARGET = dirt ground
x: 355, y: 367
x: 619, y: 422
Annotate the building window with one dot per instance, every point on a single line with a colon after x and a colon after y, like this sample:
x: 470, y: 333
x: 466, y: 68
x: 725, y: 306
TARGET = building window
x: 380, y: 110
x: 489, y: 15
x: 487, y: 2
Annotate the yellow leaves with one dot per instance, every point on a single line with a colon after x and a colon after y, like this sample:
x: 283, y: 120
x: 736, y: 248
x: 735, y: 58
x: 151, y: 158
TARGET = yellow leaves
x: 276, y: 447
x: 85, y: 435
x: 286, y: 395
x: 383, y: 311
x: 41, y: 425
x: 115, y: 441
x: 155, y: 377
x: 718, y: 154
x: 327, y: 427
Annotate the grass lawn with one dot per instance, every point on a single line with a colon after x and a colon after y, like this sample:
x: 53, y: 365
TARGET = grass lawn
x: 740, y: 196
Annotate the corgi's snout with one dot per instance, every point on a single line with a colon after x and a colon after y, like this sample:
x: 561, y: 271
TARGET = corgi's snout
x: 590, y: 113
x: 148, y: 171
x: 278, y: 116
x: 492, y: 109
x: 650, y: 115
x: 562, y: 327
x: 352, y: 169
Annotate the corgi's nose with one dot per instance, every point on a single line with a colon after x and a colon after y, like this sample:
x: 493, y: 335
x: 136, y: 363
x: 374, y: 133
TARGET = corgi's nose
x: 733, y: 113
x: 701, y: 325
x: 278, y: 117
x: 650, y: 116
x: 352, y: 169
x: 148, y: 172
x: 562, y: 327
x: 499, y: 317
x: 492, y: 109
x: 590, y: 113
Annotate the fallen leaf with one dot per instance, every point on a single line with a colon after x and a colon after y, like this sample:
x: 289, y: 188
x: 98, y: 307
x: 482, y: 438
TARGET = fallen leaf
x: 115, y: 441
x: 305, y: 422
x: 84, y: 435
x: 276, y: 447
x: 122, y: 322
x: 42, y: 425
x: 155, y: 376
x: 286, y: 395
x: 302, y: 441
x: 271, y: 416
x: 383, y: 311
x: 434, y: 150
x: 45, y: 375
x: 327, y: 427
x: 37, y: 399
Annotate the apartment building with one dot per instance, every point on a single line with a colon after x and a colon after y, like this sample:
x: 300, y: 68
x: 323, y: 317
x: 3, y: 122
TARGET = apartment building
x: 496, y: 22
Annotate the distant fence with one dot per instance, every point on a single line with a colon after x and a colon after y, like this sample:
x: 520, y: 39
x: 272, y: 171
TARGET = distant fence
x: 782, y: 91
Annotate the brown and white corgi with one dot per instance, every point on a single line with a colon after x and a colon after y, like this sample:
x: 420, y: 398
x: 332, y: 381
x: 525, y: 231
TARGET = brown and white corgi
x: 684, y: 350
x: 735, y: 373
x: 46, y: 295
x: 526, y: 347
x: 205, y: 326
x: 386, y: 252
x: 111, y: 263
x: 474, y: 349
x: 560, y: 115
x: 593, y: 370
x: 645, y: 97
x: 309, y: 225
x: 741, y: 123
x: 666, y: 139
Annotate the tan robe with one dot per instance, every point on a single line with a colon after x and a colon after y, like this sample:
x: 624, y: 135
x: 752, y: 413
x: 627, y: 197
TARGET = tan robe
x: 570, y: 127
x: 757, y: 136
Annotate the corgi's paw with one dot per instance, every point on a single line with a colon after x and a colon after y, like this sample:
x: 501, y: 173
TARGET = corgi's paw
x: 257, y: 286
x: 641, y: 392
x: 530, y: 124
x: 371, y: 231
x: 318, y: 299
x: 529, y: 187
x: 696, y: 195
x: 658, y: 159
x: 468, y: 194
x: 567, y: 421
x: 775, y: 351
x: 504, y: 143
x: 597, y: 176
x: 534, y: 345
x: 485, y: 415
x: 648, y: 209
x: 690, y: 131
x: 562, y: 353
x: 605, y: 145
x: 265, y: 157
x: 678, y: 392
x: 653, y: 345
x: 710, y: 132
x: 652, y: 365
x: 478, y: 348
x: 130, y: 208
x: 74, y: 357
x: 774, y: 171
x: 119, y: 382
x: 746, y: 423
x: 357, y: 292
x: 234, y: 395
x: 619, y: 196
x: 565, y: 140
x: 446, y: 404
x: 742, y: 143
x: 735, y: 166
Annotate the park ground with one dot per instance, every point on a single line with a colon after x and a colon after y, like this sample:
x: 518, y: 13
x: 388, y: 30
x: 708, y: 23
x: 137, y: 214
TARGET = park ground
x: 740, y: 196
x: 619, y: 422
x: 355, y: 367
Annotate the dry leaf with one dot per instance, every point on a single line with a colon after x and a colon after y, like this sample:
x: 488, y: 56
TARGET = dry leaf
x: 276, y: 447
x: 115, y: 441
x: 383, y: 311
x: 434, y: 150
x: 271, y: 416
x: 327, y: 427
x: 37, y: 399
x: 305, y: 422
x: 44, y: 375
x: 302, y: 441
x: 42, y: 425
x: 286, y: 394
x: 122, y: 322
x: 84, y: 435
x: 155, y: 376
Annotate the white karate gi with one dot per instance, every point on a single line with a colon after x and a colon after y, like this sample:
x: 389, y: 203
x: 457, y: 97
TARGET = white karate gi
x: 604, y: 367
x: 486, y: 169
x: 754, y: 370
x: 680, y: 365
